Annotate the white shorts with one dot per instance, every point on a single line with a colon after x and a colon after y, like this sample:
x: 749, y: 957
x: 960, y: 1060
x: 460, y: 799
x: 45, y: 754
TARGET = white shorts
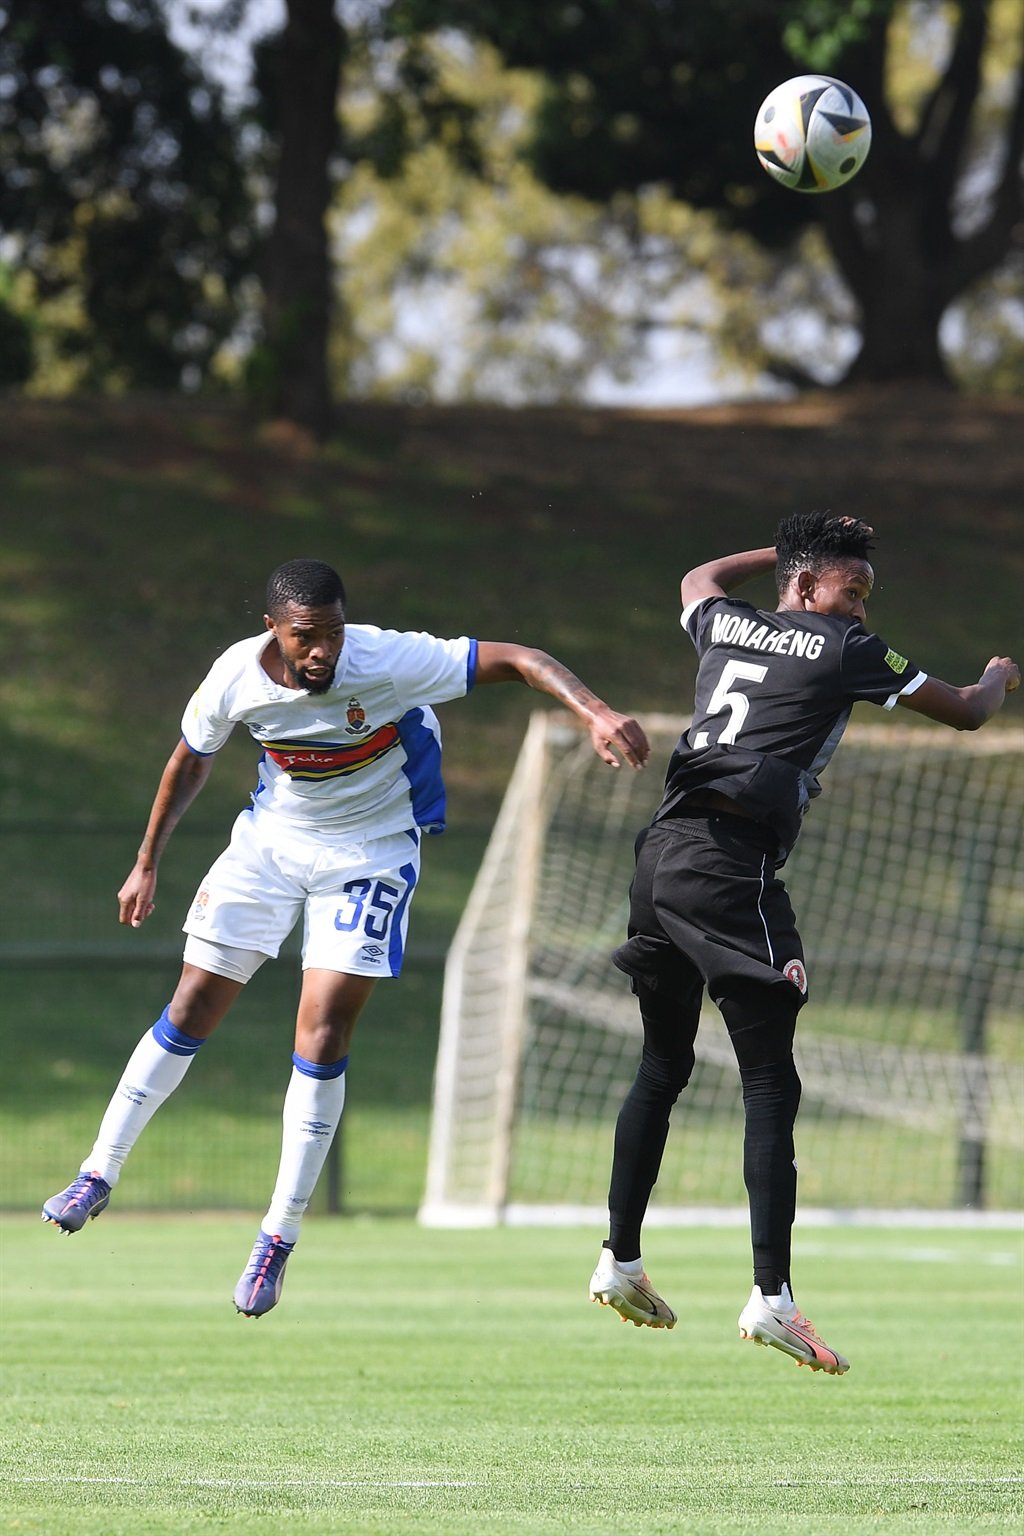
x: 353, y: 895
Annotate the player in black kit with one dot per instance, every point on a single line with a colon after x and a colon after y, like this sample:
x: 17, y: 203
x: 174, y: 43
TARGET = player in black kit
x: 773, y: 695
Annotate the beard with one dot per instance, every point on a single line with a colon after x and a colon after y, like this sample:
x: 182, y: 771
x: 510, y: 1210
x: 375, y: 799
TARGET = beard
x: 301, y: 678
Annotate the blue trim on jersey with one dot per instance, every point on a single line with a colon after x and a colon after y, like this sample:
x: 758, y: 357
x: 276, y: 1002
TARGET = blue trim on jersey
x: 318, y: 1069
x: 471, y: 667
x: 422, y: 767
x: 173, y: 1039
x: 395, y: 946
x: 195, y: 750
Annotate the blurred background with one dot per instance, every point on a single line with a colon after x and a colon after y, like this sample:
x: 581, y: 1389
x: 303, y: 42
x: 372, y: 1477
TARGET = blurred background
x: 492, y: 307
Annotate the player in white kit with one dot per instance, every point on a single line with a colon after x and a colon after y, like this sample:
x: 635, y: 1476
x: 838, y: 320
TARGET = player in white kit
x: 349, y: 781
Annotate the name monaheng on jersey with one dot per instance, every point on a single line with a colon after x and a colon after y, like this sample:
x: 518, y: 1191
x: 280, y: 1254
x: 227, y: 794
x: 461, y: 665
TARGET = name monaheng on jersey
x: 734, y: 629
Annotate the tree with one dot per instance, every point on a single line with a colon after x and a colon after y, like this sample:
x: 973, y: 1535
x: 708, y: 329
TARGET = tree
x: 899, y: 246
x: 665, y: 91
x: 120, y: 183
x: 529, y: 294
x: 298, y: 76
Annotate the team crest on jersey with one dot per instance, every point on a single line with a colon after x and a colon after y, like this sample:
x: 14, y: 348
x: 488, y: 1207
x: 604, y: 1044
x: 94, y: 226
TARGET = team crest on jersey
x: 356, y: 716
x: 199, y: 908
x: 793, y: 970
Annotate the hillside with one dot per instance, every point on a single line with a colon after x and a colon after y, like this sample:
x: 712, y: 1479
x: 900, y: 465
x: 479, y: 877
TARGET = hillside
x: 134, y: 544
x: 137, y: 537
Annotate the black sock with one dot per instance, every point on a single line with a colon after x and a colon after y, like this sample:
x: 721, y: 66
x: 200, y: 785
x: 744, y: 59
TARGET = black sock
x: 640, y: 1135
x: 771, y: 1096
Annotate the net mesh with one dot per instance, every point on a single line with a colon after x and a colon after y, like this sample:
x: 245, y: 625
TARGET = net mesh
x: 908, y: 883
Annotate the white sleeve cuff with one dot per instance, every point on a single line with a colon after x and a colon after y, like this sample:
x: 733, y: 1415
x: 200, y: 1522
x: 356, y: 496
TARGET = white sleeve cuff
x: 689, y: 611
x: 911, y: 687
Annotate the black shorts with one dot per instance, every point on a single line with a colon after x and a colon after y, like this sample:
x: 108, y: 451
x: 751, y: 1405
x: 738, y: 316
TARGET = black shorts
x: 705, y: 897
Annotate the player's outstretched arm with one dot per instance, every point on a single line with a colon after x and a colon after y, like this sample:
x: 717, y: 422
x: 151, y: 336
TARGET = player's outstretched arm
x: 182, y: 779
x: 717, y: 578
x: 497, y: 662
x: 965, y: 709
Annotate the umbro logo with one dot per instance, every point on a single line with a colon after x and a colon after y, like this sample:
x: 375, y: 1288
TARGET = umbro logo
x: 372, y: 951
x: 317, y: 1128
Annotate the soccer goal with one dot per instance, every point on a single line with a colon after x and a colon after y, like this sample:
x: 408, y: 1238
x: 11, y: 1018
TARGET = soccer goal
x: 908, y: 882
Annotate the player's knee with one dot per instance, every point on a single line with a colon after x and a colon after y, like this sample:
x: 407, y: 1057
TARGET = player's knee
x: 761, y: 1020
x: 773, y: 1088
x: 665, y: 1077
x: 329, y: 1007
x: 200, y: 1001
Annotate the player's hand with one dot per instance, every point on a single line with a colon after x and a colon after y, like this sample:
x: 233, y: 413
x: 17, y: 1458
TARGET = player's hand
x: 855, y: 523
x: 609, y: 729
x: 1010, y: 670
x: 135, y: 898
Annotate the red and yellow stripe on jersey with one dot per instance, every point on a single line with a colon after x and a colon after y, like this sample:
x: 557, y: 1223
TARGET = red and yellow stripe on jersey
x: 330, y: 759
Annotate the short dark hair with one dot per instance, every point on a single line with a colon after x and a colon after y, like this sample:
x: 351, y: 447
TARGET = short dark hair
x: 307, y: 584
x: 816, y: 541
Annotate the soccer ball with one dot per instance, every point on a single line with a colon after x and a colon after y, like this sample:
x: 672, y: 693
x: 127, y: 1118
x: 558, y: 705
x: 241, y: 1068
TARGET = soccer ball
x: 812, y: 133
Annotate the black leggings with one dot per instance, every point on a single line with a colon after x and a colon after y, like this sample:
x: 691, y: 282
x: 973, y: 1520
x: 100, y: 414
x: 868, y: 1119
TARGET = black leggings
x: 761, y: 1021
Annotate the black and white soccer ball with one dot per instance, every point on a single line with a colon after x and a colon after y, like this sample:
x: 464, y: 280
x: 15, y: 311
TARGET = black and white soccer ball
x: 812, y: 133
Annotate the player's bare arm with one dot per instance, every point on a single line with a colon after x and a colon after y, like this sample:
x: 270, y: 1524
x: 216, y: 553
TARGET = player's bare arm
x: 719, y: 577
x: 498, y: 662
x: 182, y: 779
x: 968, y: 708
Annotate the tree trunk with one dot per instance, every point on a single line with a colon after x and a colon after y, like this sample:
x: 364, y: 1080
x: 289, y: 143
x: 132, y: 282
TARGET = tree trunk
x: 298, y: 267
x: 893, y: 234
x: 900, y: 282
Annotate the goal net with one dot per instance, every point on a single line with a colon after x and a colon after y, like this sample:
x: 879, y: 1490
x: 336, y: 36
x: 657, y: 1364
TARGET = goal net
x: 908, y: 883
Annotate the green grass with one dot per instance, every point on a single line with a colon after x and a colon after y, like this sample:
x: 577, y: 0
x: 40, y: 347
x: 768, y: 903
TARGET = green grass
x: 138, y: 535
x: 135, y: 541
x: 216, y: 1144
x: 83, y: 990
x: 847, y: 1161
x: 416, y: 1381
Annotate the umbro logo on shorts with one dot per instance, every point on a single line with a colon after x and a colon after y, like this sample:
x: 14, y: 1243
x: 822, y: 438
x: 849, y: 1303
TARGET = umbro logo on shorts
x: 371, y: 952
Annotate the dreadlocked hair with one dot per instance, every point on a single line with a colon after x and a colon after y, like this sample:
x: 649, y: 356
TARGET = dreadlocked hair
x: 816, y: 541
x: 307, y: 584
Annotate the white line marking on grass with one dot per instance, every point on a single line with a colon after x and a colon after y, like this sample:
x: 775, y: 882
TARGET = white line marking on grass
x: 900, y: 1482
x: 354, y: 1482
x: 242, y: 1482
x: 916, y: 1254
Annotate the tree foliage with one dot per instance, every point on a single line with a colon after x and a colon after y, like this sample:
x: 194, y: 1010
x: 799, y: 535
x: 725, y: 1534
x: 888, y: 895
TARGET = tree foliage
x: 297, y: 79
x: 464, y: 277
x: 121, y: 191
x: 665, y: 91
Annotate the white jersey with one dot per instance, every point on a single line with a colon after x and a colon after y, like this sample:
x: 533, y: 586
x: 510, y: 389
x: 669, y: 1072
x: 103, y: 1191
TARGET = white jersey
x: 363, y: 756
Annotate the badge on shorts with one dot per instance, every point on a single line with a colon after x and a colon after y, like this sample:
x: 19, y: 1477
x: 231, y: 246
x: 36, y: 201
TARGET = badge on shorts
x: 793, y: 970
x: 356, y: 716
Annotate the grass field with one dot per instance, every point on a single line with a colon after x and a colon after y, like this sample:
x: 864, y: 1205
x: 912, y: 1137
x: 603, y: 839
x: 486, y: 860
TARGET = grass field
x: 135, y: 541
x: 419, y: 1381
x: 416, y: 1381
x: 138, y: 535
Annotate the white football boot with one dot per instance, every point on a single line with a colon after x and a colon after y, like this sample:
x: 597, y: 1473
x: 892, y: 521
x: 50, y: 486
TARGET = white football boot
x: 627, y: 1290
x: 776, y: 1321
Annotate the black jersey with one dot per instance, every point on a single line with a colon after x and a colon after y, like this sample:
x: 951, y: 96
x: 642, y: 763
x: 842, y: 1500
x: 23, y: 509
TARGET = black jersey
x: 773, y: 697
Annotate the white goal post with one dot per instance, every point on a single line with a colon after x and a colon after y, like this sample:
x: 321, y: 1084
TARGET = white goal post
x: 908, y: 883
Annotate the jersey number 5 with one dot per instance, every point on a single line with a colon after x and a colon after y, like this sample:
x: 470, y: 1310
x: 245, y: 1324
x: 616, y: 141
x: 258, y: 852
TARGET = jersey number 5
x: 724, y: 697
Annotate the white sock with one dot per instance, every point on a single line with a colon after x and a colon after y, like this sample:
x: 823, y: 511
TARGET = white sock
x: 312, y: 1113
x: 783, y: 1302
x: 154, y: 1070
